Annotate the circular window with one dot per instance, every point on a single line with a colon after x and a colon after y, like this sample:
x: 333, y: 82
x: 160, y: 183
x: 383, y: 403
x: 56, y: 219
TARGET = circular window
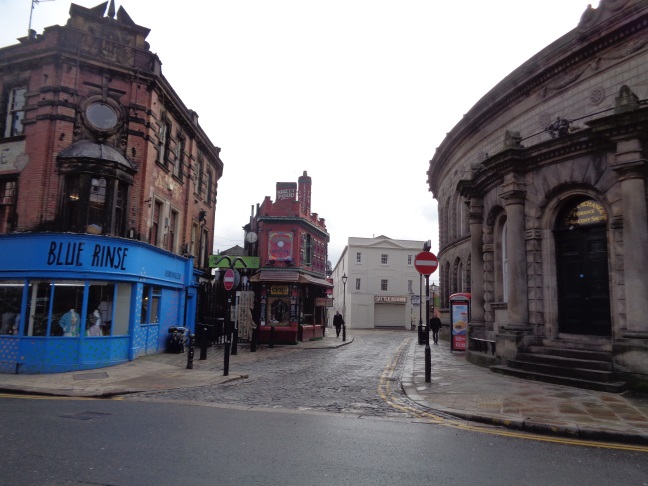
x: 101, y: 115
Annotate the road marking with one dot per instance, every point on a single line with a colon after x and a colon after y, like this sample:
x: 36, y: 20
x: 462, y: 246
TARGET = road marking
x: 55, y: 397
x: 386, y: 393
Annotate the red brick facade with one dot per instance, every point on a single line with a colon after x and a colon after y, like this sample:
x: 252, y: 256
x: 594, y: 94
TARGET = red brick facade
x: 94, y: 139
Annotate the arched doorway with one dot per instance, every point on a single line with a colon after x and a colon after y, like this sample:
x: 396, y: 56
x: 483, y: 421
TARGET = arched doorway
x: 582, y: 269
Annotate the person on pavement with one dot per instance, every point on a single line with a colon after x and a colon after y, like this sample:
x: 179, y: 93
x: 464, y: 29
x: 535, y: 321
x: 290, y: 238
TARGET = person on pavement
x: 435, y: 325
x: 338, y: 322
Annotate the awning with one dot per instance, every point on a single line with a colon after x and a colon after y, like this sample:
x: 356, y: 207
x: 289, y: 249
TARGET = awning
x: 286, y: 276
x: 314, y: 280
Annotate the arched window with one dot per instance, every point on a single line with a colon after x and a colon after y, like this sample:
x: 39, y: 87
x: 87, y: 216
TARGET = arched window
x: 501, y: 259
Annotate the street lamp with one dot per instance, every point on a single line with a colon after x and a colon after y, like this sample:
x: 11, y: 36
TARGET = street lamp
x: 434, y: 287
x: 344, y: 281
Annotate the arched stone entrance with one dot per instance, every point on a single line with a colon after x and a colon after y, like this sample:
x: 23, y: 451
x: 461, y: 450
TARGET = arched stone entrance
x: 582, y: 269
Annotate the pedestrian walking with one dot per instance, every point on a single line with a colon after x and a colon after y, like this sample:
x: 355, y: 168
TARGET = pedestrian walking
x: 435, y: 325
x: 338, y: 322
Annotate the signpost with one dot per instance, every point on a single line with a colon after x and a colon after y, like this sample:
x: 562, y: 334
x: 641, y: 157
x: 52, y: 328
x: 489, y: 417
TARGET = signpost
x: 228, y: 279
x: 426, y: 264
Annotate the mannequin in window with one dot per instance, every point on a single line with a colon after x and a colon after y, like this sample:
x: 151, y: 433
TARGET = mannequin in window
x: 105, y: 310
x: 95, y: 329
x: 70, y: 323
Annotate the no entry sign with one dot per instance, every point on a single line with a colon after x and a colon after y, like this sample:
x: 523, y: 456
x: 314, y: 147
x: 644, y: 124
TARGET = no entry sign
x: 228, y: 279
x: 426, y: 263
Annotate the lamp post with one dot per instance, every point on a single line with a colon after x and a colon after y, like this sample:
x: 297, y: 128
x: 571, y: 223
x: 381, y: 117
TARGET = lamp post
x: 433, y: 288
x: 344, y: 281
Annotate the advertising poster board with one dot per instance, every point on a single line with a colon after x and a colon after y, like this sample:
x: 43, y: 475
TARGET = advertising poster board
x: 459, y: 318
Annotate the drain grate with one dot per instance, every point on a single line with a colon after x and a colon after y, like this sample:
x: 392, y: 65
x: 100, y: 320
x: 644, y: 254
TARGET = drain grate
x: 85, y: 415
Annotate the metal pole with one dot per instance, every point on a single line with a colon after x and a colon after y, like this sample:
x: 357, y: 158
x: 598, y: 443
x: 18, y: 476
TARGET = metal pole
x: 344, y: 308
x: 420, y: 324
x: 226, y: 352
x: 190, y: 352
x: 428, y: 356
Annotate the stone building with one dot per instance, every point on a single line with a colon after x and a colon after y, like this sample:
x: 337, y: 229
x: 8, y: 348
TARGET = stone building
x: 542, y: 207
x: 107, y: 196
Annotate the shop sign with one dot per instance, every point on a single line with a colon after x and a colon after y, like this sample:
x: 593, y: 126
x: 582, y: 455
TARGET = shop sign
x: 386, y: 299
x: 323, y: 302
x: 279, y: 290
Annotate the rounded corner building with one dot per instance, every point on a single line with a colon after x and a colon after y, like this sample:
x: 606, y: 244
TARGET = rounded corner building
x: 541, y: 190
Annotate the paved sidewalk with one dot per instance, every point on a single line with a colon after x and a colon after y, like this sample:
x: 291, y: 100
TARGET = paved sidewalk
x: 467, y: 391
x: 457, y: 388
x: 164, y: 371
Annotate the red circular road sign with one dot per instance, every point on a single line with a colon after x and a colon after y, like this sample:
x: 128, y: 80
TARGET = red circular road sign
x: 228, y: 279
x: 426, y: 263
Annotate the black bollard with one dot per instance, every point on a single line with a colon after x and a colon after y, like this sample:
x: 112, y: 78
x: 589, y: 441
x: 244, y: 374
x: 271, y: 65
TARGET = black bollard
x: 203, y: 342
x: 271, y: 339
x: 227, y: 355
x: 428, y: 364
x: 343, y: 332
x: 190, y: 351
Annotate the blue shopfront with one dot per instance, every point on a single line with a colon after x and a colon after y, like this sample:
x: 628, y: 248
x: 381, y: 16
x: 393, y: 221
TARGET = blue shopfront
x: 74, y: 302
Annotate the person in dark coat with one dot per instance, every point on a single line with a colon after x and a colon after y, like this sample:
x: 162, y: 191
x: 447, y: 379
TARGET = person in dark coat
x: 338, y: 322
x: 435, y: 325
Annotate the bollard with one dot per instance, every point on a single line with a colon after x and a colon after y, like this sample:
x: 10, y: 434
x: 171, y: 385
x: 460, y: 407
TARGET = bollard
x: 190, y: 351
x: 226, y: 354
x: 203, y: 343
x: 428, y: 364
x: 420, y: 333
x: 343, y: 332
x: 271, y: 339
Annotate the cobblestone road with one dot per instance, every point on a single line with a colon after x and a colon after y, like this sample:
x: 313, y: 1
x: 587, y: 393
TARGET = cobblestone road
x: 362, y: 378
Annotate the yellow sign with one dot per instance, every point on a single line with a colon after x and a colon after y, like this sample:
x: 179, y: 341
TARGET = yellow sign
x: 279, y: 290
x: 587, y: 212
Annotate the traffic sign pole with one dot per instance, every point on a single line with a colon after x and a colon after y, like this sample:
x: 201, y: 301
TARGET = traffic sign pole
x: 426, y: 264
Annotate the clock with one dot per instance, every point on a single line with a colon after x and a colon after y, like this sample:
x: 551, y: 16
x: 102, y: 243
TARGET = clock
x: 251, y: 237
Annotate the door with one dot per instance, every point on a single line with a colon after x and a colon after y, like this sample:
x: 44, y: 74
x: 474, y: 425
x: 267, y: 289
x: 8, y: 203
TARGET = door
x: 583, y: 285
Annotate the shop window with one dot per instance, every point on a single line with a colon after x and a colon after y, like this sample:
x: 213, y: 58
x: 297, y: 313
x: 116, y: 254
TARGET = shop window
x: 10, y: 306
x: 100, y: 316
x: 15, y: 112
x: 150, y: 305
x: 121, y: 309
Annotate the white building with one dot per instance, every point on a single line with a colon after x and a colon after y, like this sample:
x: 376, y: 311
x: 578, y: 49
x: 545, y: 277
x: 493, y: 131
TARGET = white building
x: 381, y: 281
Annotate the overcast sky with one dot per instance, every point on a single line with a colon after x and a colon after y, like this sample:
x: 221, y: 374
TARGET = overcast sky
x: 358, y: 93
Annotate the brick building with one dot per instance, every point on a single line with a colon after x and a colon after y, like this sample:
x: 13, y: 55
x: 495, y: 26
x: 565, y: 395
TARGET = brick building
x: 95, y: 142
x: 542, y: 207
x: 292, y: 245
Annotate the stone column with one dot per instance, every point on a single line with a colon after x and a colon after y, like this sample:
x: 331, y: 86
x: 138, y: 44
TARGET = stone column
x: 630, y: 167
x: 477, y: 261
x: 518, y: 309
